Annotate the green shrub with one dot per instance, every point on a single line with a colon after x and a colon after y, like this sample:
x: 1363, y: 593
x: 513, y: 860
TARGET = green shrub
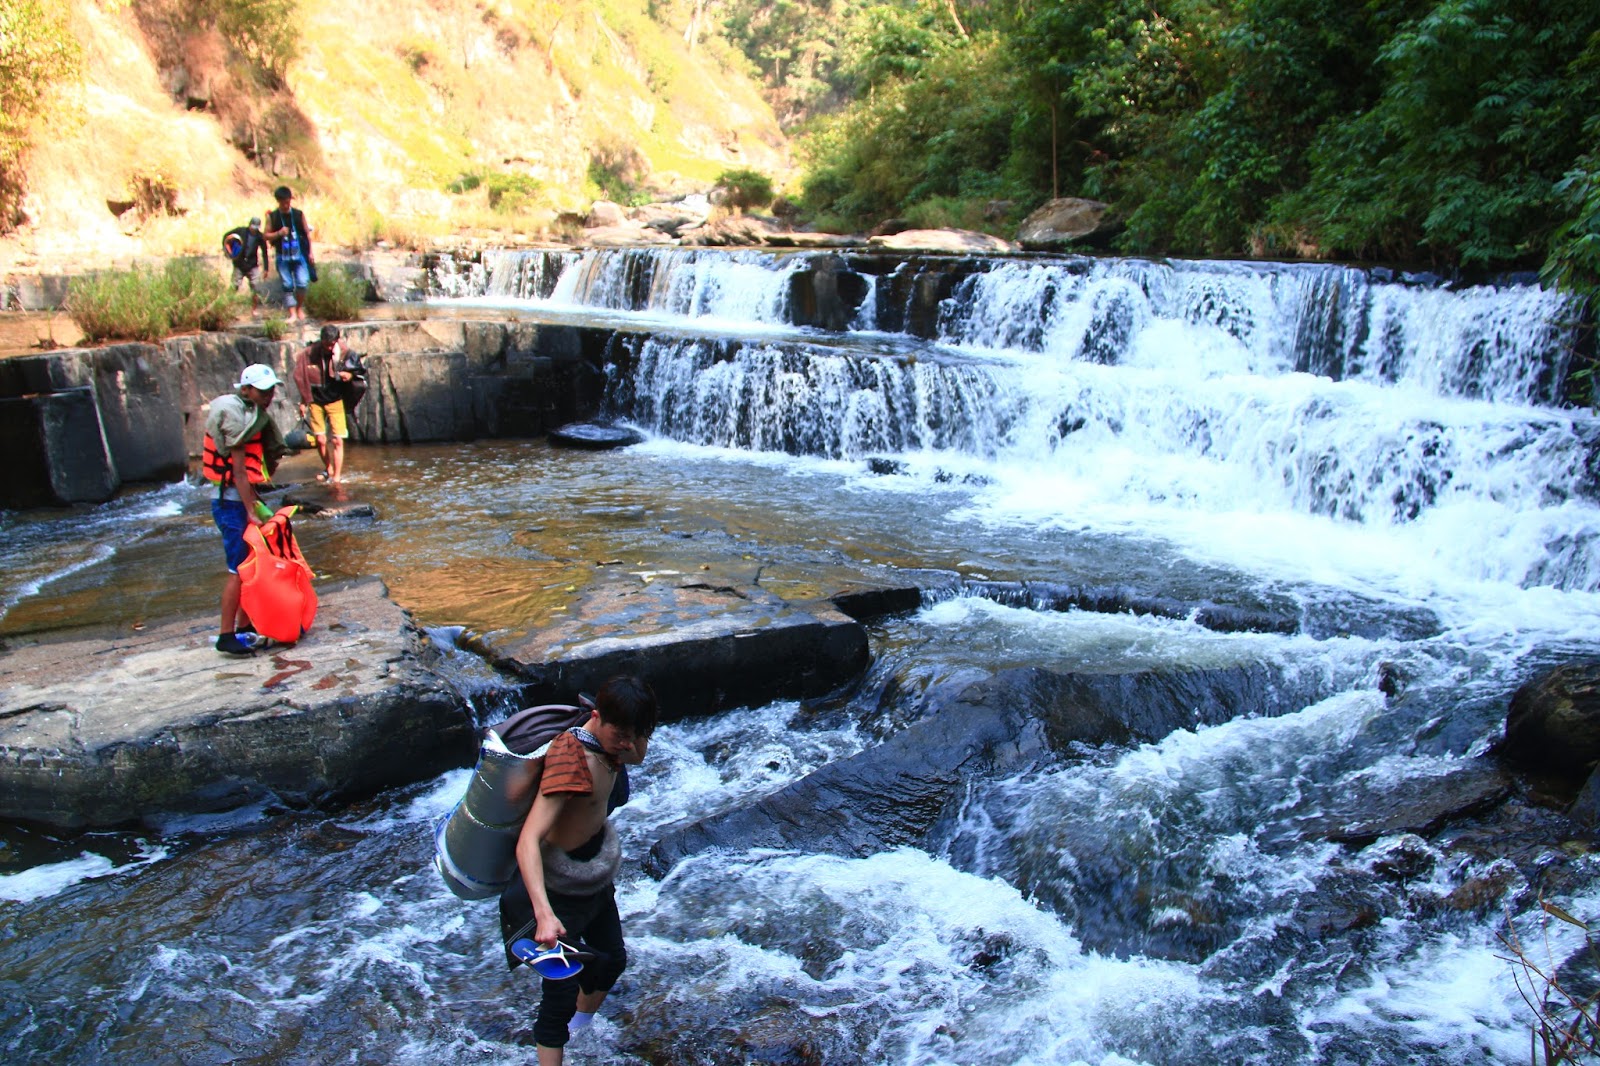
x: 274, y: 327
x: 511, y: 193
x: 746, y: 188
x: 117, y: 305
x: 468, y: 181
x: 198, y: 298
x: 338, y: 294
x: 149, y: 305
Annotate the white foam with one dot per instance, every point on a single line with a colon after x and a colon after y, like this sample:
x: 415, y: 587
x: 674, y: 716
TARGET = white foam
x: 42, y: 882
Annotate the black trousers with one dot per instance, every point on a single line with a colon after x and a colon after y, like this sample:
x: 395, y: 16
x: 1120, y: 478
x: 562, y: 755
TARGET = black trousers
x: 592, y: 919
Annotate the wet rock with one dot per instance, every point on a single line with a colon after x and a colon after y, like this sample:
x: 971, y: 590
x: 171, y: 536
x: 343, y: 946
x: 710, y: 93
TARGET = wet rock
x: 101, y: 731
x: 595, y: 436
x: 896, y: 793
x: 1585, y: 810
x: 1335, y: 613
x: 703, y: 648
x: 1553, y: 725
x: 55, y: 451
x: 1403, y: 858
x: 1117, y: 599
x: 1371, y: 807
x: 881, y: 798
x: 826, y: 293
x: 866, y: 604
x: 326, y: 501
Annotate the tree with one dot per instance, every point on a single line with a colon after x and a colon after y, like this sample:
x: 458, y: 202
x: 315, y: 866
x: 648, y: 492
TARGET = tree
x: 37, y: 50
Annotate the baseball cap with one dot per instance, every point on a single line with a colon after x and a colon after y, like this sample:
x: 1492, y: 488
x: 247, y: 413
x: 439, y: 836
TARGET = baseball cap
x: 258, y: 376
x: 255, y: 221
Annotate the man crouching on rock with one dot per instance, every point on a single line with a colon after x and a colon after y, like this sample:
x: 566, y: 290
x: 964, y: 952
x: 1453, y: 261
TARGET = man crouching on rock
x: 568, y: 855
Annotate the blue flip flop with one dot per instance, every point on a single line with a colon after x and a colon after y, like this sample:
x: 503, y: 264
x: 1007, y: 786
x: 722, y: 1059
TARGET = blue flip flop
x: 554, y: 964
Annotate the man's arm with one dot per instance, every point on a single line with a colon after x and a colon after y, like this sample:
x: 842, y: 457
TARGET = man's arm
x: 241, y: 481
x: 530, y: 860
x: 302, y: 377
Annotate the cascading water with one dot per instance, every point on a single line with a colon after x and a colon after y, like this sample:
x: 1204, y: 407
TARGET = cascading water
x: 1233, y: 432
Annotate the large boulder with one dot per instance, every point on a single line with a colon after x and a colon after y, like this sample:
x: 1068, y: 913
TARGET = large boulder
x: 1553, y: 725
x: 106, y: 730
x: 1065, y: 221
x: 969, y: 242
x: 56, y: 450
x: 626, y: 235
x: 703, y: 646
x: 670, y: 218
x: 604, y: 213
x: 734, y: 231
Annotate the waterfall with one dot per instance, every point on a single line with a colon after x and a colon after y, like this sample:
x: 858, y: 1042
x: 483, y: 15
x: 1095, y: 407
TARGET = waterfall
x: 1168, y: 396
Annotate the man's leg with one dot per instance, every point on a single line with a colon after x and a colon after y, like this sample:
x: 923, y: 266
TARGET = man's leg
x: 230, y: 604
x: 603, y: 933
x: 338, y: 429
x: 594, y: 920
x: 317, y: 417
x: 231, y: 521
x: 335, y: 457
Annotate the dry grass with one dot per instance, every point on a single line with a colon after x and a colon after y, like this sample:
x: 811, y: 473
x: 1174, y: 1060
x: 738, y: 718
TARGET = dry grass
x: 400, y: 98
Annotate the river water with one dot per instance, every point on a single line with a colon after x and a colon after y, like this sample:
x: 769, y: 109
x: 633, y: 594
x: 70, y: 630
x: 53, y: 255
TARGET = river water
x: 1361, y: 454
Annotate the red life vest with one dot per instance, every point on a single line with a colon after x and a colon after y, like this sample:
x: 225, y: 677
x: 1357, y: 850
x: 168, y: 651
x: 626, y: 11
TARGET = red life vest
x: 218, y: 467
x: 275, y: 581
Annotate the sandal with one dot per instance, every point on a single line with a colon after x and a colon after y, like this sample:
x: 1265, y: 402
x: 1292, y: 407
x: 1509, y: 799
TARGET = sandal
x: 323, y: 476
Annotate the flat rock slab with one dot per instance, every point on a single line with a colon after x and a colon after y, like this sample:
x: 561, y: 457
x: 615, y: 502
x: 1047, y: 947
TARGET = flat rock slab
x: 104, y: 731
x: 703, y: 647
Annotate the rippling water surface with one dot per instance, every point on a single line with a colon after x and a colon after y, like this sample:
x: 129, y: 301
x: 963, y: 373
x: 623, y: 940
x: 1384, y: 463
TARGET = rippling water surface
x: 1164, y: 903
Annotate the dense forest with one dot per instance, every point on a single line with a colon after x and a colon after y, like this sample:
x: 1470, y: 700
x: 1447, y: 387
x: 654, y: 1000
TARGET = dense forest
x: 1453, y: 133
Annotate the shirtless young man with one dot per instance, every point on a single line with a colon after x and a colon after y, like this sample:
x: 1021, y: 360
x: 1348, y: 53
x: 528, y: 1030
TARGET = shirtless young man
x: 568, y: 855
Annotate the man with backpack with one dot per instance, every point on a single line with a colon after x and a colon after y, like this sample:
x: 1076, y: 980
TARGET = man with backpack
x: 247, y: 248
x: 291, y: 236
x: 568, y: 856
x: 325, y: 374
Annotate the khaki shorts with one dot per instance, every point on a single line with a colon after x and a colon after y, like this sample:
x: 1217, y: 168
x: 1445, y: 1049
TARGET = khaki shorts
x: 333, y: 419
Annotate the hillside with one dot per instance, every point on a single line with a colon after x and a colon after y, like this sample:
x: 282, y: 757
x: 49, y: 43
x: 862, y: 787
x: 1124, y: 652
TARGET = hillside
x: 386, y: 106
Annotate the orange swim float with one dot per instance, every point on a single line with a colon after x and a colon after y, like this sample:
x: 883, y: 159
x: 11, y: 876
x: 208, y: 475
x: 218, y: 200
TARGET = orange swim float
x: 275, y: 581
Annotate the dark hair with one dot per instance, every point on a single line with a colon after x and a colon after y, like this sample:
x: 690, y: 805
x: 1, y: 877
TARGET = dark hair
x: 282, y: 192
x: 329, y: 334
x: 627, y: 703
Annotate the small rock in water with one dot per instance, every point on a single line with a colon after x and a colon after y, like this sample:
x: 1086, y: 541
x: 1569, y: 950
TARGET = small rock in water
x: 594, y: 435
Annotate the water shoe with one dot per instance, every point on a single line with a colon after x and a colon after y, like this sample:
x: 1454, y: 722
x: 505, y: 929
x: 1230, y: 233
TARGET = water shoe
x: 231, y: 644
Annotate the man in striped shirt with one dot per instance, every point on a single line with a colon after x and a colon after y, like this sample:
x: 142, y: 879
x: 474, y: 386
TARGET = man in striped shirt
x: 568, y: 855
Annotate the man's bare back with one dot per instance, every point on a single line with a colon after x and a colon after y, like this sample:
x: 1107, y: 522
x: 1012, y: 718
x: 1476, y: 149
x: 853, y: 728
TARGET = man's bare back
x: 581, y: 817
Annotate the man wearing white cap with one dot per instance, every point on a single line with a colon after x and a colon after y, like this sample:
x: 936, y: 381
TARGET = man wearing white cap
x: 242, y: 446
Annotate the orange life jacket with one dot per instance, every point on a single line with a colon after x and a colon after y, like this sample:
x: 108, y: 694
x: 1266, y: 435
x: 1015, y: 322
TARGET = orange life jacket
x: 275, y: 581
x: 218, y: 467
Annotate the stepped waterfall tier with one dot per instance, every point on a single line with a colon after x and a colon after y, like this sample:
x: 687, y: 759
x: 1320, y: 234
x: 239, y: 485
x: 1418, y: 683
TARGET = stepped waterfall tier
x: 1231, y: 569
